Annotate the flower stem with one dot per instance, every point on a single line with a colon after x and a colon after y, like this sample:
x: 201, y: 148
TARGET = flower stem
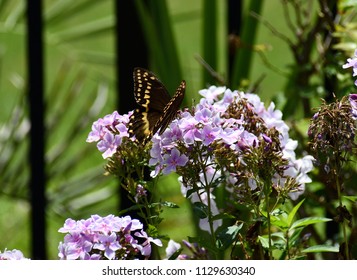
x: 210, y: 220
x: 338, y: 186
x: 267, y: 205
x: 207, y: 187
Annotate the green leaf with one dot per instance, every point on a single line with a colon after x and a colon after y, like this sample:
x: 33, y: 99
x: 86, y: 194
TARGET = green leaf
x: 200, y: 210
x: 293, y: 212
x: 264, y: 241
x: 279, y: 235
x: 164, y: 204
x: 222, y: 216
x: 152, y: 231
x: 86, y: 30
x: 309, y: 221
x: 295, y: 236
x: 227, y: 236
x: 277, y: 219
x: 169, y: 204
x: 190, y: 192
x: 321, y: 248
x: 352, y: 198
x: 348, y: 4
x: 135, y: 207
x: 210, y: 31
x: 175, y: 255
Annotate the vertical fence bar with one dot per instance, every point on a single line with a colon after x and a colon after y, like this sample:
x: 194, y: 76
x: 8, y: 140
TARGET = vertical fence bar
x: 131, y: 51
x: 37, y: 131
x: 234, y: 19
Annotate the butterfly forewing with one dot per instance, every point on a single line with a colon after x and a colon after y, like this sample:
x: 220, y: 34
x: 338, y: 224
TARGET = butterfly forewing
x: 156, y: 108
x: 145, y: 83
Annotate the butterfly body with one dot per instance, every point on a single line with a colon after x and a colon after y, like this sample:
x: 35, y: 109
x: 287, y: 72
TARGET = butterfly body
x: 156, y: 107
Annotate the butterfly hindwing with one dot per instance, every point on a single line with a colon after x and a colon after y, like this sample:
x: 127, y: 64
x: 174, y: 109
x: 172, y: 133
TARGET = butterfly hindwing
x: 156, y: 109
x: 170, y: 110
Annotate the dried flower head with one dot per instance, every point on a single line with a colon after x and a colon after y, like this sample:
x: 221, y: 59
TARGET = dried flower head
x: 332, y: 134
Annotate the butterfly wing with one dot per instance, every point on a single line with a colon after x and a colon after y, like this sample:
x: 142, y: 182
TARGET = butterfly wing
x: 156, y: 109
x: 170, y: 110
x: 149, y: 90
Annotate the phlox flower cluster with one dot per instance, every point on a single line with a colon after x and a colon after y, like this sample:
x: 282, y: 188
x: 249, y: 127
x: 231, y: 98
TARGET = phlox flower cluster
x: 333, y: 129
x: 12, y: 255
x: 209, y: 126
x: 110, y: 237
x: 109, y: 132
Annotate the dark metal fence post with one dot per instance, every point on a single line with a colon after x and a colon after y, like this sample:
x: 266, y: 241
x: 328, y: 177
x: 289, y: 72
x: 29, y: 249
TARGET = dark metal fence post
x: 131, y: 51
x: 37, y: 131
x: 234, y: 19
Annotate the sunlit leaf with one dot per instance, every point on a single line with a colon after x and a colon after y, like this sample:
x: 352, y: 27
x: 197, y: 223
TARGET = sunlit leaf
x: 293, y: 212
x: 321, y: 248
x: 309, y: 221
x: 227, y: 236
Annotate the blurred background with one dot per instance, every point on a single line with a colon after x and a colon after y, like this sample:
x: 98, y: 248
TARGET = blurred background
x: 89, y: 51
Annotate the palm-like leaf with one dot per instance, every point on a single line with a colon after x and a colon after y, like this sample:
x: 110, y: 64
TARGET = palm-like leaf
x: 79, y: 89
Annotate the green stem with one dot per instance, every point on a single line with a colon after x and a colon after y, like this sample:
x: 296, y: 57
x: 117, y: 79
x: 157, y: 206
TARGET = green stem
x: 344, y: 230
x: 210, y: 221
x: 269, y: 229
x: 287, y: 244
x: 207, y: 187
x: 267, y: 204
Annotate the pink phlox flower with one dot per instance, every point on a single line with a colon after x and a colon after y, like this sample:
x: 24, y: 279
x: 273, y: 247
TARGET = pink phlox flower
x: 228, y: 98
x: 171, y: 248
x: 122, y: 129
x: 69, y: 226
x: 352, y: 62
x: 208, y: 134
x: 79, y: 250
x: 146, y: 245
x: 108, y: 244
x: 140, y: 192
x: 212, y: 93
x: 97, y: 133
x: 289, y: 149
x: 108, y: 146
x: 353, y: 101
x: 173, y: 160
x: 188, y: 127
x: 203, y: 116
x: 245, y: 141
x: 254, y: 100
x: 230, y: 135
x: 12, y: 255
x: 126, y: 224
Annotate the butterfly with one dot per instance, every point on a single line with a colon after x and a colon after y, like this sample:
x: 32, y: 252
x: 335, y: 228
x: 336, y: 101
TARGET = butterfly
x: 156, y: 107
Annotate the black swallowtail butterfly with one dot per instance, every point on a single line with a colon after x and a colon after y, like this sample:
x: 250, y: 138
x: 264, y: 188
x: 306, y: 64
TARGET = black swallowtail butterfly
x: 156, y: 108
